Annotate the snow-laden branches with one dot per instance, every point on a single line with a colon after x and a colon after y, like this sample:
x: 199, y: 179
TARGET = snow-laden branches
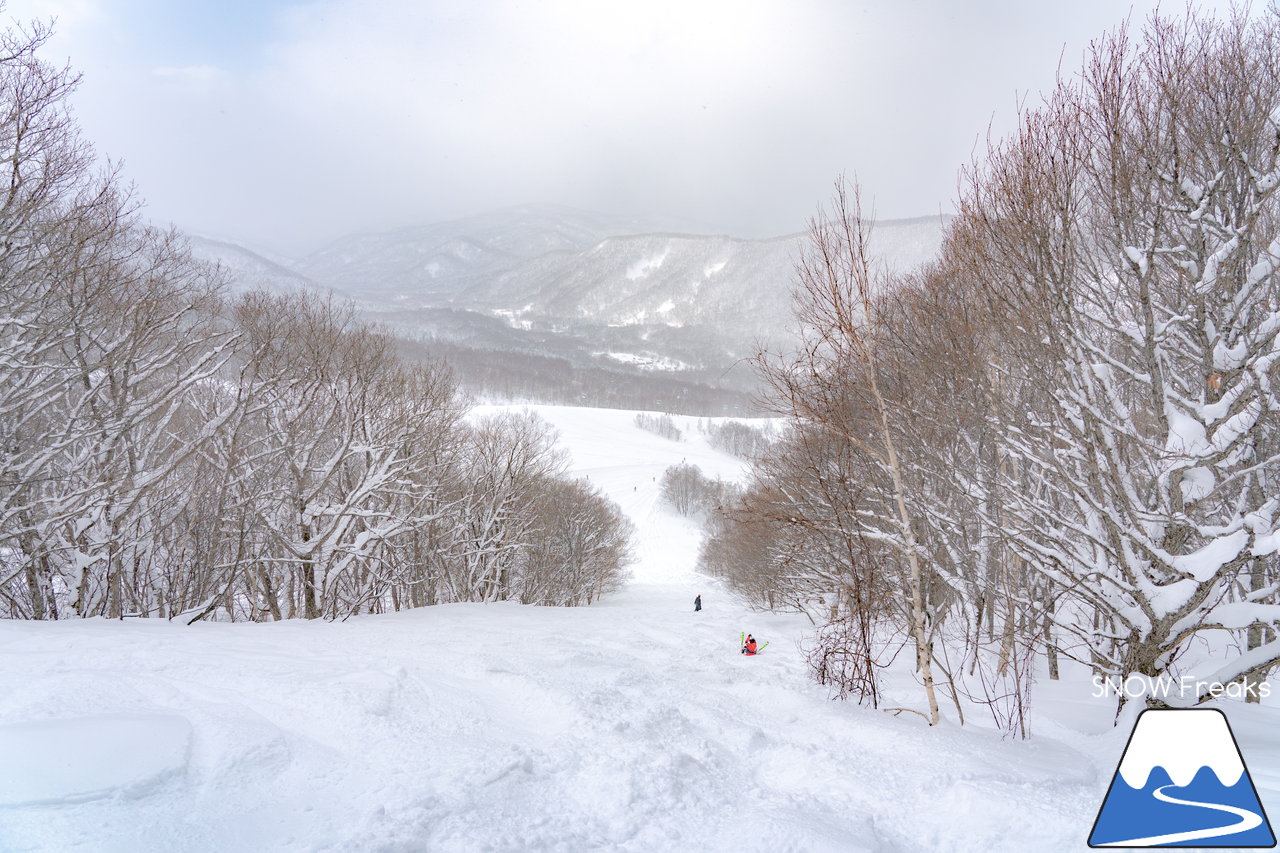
x: 1145, y: 483
x: 1064, y: 432
x: 163, y: 452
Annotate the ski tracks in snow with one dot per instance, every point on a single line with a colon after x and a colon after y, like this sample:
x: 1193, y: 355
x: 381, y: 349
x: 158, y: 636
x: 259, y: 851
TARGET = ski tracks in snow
x: 630, y: 725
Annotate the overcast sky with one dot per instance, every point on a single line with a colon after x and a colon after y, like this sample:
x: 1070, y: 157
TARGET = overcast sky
x: 284, y: 125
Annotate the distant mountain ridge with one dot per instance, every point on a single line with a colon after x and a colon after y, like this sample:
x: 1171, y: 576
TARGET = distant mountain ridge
x: 247, y: 269
x: 435, y: 261
x: 625, y: 295
x: 734, y: 287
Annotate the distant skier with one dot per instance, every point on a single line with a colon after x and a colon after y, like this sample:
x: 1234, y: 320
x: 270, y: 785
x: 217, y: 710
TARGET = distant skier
x: 697, y: 603
x: 749, y: 648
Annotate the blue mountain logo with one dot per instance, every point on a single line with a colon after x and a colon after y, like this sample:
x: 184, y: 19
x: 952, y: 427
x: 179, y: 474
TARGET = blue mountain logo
x: 1182, y: 782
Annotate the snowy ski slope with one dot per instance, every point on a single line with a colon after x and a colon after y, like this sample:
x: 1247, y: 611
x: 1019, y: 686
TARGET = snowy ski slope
x: 630, y: 725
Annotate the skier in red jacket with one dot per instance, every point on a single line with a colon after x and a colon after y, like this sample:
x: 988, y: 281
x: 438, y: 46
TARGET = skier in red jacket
x: 750, y: 647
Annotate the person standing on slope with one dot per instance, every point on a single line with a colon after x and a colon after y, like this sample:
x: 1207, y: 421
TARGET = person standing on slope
x: 749, y: 648
x: 697, y: 603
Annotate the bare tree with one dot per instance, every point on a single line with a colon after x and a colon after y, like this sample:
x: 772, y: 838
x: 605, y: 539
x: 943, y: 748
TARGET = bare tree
x: 1132, y: 225
x: 834, y: 381
x: 579, y: 544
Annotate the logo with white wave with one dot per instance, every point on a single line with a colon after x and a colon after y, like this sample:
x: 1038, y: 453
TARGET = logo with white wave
x: 1182, y: 782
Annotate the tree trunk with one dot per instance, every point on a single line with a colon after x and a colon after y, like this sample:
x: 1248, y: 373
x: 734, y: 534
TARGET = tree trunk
x: 1050, y: 650
x: 1257, y: 633
x: 919, y: 616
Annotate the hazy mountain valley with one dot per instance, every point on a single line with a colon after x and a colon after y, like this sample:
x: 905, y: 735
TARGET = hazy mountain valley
x: 551, y: 304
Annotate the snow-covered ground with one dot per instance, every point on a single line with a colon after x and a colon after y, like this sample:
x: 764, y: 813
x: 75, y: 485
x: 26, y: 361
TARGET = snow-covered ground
x: 629, y: 725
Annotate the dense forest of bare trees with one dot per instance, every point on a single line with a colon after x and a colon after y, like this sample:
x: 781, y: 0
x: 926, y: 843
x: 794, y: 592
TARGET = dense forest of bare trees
x: 165, y: 451
x: 525, y: 375
x: 1060, y: 440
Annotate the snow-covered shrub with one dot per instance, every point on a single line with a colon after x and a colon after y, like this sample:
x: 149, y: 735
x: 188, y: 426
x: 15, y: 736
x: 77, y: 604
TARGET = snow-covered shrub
x: 842, y: 657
